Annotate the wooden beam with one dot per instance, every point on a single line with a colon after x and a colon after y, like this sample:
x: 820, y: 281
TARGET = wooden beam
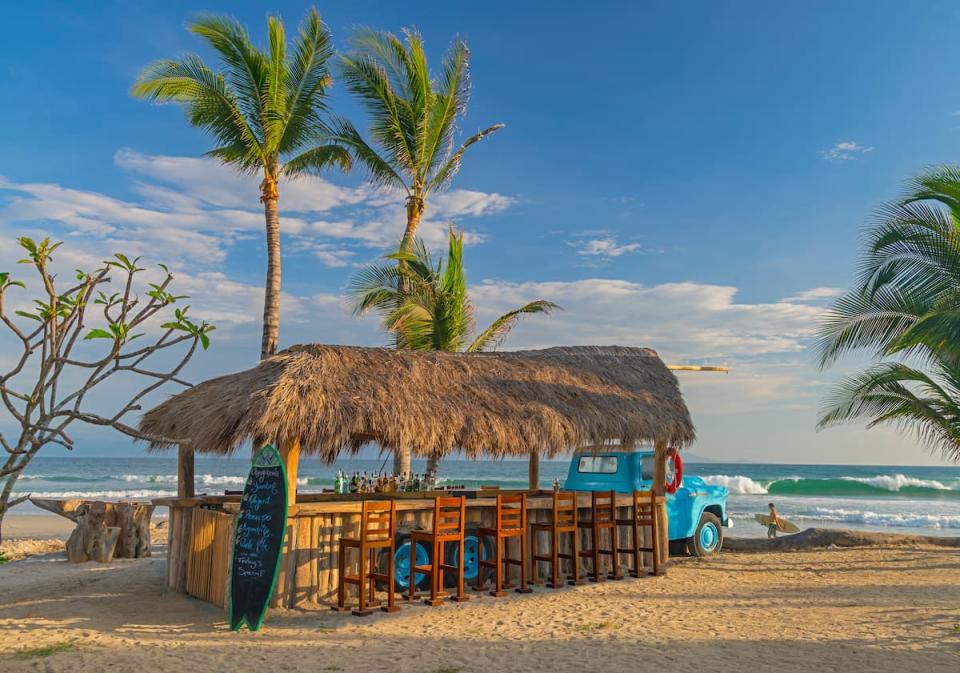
x: 533, y: 468
x: 185, y: 472
x: 290, y: 452
x: 698, y: 368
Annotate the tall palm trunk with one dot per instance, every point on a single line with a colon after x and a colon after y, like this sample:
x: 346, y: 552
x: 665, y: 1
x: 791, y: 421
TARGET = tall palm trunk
x: 271, y: 298
x: 415, y: 207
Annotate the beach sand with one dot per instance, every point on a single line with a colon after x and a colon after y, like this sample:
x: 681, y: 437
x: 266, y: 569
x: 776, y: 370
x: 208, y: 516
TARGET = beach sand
x: 845, y: 610
x: 29, y: 535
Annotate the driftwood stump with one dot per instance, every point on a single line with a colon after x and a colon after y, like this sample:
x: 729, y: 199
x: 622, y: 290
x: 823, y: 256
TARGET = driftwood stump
x: 105, y: 530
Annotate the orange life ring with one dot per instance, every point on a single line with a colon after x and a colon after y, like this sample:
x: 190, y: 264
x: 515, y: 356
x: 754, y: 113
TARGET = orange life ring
x: 672, y: 486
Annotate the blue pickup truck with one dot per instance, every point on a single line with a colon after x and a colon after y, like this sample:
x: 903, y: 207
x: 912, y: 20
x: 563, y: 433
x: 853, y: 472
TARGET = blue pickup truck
x: 697, y: 512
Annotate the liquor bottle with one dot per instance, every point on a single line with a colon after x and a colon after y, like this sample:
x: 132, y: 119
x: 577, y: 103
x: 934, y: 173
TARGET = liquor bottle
x: 556, y: 484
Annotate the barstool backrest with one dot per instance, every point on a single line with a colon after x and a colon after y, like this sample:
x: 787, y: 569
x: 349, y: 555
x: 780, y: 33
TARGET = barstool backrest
x: 565, y: 508
x: 449, y: 515
x: 604, y: 509
x: 511, y: 511
x: 644, y: 505
x: 378, y: 521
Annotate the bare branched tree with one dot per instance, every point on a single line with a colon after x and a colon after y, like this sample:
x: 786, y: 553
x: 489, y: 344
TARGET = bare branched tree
x: 48, y: 386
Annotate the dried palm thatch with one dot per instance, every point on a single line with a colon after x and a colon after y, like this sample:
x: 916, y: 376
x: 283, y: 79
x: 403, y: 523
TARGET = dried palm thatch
x: 339, y: 398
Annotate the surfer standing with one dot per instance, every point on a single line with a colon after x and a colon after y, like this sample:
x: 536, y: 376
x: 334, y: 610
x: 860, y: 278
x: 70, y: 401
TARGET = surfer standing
x: 774, y: 524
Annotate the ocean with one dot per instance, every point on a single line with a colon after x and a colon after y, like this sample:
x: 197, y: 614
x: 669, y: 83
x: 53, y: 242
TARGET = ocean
x: 921, y: 500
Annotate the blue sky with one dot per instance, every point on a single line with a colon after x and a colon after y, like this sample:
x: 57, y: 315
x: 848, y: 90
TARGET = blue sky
x: 688, y: 176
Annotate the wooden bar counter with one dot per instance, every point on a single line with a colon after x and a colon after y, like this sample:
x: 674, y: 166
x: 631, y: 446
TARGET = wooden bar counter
x: 201, y: 535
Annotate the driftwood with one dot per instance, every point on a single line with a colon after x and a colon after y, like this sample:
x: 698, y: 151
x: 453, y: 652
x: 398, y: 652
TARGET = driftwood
x: 104, y: 529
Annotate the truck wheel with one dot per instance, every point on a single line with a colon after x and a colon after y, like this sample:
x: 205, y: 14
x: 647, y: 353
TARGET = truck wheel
x: 473, y: 552
x: 401, y: 580
x: 708, y: 538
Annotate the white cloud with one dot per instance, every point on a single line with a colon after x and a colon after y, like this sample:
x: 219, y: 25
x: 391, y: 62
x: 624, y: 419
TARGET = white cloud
x: 606, y: 247
x: 816, y: 294
x: 689, y: 320
x: 201, y: 209
x: 844, y: 151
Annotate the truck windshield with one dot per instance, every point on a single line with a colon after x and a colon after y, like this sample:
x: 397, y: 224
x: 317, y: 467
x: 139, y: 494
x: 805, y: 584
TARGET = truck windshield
x: 646, y: 468
x: 598, y: 464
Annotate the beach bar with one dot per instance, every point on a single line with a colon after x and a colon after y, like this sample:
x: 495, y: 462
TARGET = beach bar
x: 322, y: 402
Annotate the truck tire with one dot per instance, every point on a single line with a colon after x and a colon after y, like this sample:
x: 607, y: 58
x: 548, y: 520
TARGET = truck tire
x: 474, y: 552
x: 707, y: 538
x: 402, y: 564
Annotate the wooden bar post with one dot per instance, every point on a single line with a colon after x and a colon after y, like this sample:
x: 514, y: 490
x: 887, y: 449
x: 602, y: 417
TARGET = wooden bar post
x: 185, y: 472
x: 659, y: 487
x: 534, y: 470
x: 290, y: 452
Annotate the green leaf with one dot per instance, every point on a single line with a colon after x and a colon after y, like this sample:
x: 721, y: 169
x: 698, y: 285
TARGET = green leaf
x: 204, y: 340
x: 32, y: 316
x: 98, y: 333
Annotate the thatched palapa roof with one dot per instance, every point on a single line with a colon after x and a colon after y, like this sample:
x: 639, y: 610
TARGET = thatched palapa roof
x: 338, y: 398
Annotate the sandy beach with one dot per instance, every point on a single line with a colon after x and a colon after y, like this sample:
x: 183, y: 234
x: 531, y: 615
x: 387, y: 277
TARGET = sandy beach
x: 847, y: 610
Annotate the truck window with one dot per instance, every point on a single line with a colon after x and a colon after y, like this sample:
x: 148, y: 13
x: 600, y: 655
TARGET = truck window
x: 646, y: 468
x: 598, y: 464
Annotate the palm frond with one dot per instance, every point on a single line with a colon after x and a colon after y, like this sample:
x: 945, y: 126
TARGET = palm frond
x: 375, y: 287
x: 449, y: 104
x: 937, y: 334
x: 368, y: 80
x: 247, y: 68
x: 318, y: 159
x: 446, y: 172
x: 493, y: 336
x: 861, y: 319
x: 381, y: 172
x: 208, y: 102
x: 895, y: 394
x: 308, y: 79
x: 939, y: 183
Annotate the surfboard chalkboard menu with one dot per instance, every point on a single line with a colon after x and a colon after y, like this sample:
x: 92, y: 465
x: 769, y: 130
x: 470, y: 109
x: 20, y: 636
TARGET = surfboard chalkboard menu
x: 258, y: 540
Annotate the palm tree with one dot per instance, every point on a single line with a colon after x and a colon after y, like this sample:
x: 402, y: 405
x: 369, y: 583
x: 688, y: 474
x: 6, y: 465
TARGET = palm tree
x: 413, y: 116
x: 265, y: 112
x: 905, y: 305
x: 424, y: 305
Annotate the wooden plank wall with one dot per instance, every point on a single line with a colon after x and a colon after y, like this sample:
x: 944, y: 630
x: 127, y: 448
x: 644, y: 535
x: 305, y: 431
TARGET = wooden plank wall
x: 200, y: 546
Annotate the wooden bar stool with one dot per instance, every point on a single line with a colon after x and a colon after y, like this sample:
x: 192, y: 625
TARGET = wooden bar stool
x: 511, y: 522
x: 603, y: 516
x: 564, y: 521
x: 378, y: 528
x: 644, y: 516
x: 449, y: 523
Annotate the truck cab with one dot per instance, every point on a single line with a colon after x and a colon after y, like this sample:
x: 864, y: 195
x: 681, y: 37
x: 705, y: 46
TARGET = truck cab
x: 696, y: 513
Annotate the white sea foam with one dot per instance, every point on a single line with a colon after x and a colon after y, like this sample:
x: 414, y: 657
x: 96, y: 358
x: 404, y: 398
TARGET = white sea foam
x: 736, y: 484
x: 131, y: 493
x: 897, y: 481
x: 205, y: 479
x: 898, y: 520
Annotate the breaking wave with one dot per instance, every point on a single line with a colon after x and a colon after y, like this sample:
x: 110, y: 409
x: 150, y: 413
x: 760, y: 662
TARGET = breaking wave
x: 877, y: 487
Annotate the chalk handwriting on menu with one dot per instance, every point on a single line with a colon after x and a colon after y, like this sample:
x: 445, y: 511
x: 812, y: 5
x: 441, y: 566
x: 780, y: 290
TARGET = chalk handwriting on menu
x: 258, y: 539
x: 254, y: 526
